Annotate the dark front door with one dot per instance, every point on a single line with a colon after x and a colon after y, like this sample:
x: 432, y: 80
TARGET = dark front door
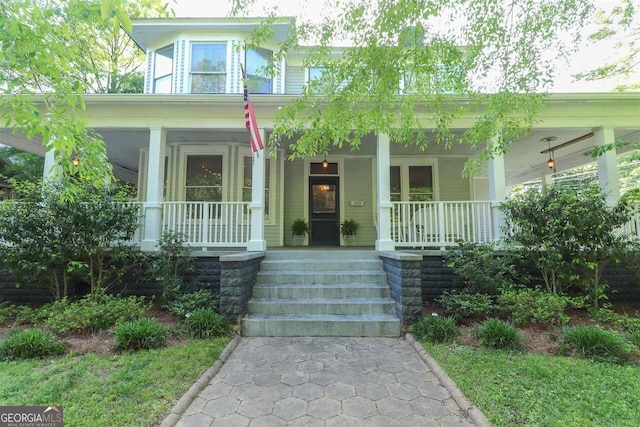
x: 324, y: 209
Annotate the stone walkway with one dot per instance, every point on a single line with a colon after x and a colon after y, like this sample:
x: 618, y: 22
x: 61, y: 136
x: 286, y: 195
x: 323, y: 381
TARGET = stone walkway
x: 324, y: 382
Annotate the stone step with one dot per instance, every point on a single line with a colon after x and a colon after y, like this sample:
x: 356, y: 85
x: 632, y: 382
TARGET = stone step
x: 319, y: 254
x: 323, y: 265
x: 317, y: 277
x: 294, y: 325
x: 282, y: 291
x: 351, y: 306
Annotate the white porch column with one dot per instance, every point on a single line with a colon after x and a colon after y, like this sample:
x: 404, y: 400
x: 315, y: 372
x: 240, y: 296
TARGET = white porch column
x: 51, y: 168
x: 257, y: 242
x: 384, y: 242
x: 608, y: 166
x: 546, y: 180
x: 153, y: 200
x: 497, y: 192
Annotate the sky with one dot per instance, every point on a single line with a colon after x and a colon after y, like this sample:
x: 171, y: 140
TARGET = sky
x: 589, y: 56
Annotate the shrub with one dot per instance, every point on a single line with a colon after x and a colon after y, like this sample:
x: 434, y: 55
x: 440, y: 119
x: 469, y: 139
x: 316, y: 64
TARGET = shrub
x: 89, y: 314
x: 192, y: 301
x: 141, y: 334
x: 615, y: 320
x: 205, y: 323
x: 495, y: 333
x: 484, y: 269
x: 595, y: 343
x: 51, y: 239
x: 8, y: 311
x: 435, y: 329
x: 30, y: 343
x: 172, y: 266
x: 534, y: 306
x: 634, y: 337
x: 465, y: 304
x: 569, y: 235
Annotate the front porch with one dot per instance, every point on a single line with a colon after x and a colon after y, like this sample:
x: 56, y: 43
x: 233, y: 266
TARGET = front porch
x: 425, y: 225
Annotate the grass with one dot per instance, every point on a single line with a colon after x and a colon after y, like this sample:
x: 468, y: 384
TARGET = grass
x: 538, y: 390
x: 136, y: 389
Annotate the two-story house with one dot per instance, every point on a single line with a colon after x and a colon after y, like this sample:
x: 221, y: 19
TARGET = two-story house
x: 185, y: 145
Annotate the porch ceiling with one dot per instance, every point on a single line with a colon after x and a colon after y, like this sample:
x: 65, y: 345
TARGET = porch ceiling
x: 124, y: 122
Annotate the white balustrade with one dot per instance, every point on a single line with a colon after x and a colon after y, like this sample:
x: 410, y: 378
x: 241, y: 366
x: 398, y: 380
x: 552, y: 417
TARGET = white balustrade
x: 208, y: 224
x: 440, y: 224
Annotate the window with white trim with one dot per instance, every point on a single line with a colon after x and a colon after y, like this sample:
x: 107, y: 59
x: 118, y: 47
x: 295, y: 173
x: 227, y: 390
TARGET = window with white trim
x: 412, y: 182
x: 163, y: 70
x: 257, y: 63
x: 203, y: 181
x: 208, y: 67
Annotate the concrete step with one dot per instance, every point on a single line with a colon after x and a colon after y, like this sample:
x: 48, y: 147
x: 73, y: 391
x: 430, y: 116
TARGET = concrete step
x: 309, y: 291
x: 319, y: 254
x: 322, y: 265
x: 325, y: 277
x: 293, y: 325
x: 351, y: 306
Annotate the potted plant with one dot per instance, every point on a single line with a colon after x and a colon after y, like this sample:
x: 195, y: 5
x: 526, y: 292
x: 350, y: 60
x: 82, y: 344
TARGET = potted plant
x: 349, y: 229
x: 299, y: 228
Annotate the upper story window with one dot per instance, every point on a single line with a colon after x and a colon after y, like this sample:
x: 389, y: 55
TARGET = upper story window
x: 257, y: 63
x: 208, y: 67
x: 315, y: 73
x: 163, y: 70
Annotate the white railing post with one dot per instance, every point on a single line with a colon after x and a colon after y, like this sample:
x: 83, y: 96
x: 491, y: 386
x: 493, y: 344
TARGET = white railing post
x: 442, y: 234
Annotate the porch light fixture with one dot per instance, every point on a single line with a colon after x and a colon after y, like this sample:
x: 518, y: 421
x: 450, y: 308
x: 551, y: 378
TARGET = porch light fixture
x: 551, y: 163
x: 325, y: 163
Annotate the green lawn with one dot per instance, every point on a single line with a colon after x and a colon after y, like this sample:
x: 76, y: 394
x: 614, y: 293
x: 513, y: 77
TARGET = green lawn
x: 136, y: 389
x: 536, y: 390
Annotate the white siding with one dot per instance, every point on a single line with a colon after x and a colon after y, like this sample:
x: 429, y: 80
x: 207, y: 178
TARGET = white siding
x: 357, y: 187
x: 452, y: 185
x: 294, y: 185
x: 237, y: 57
x: 148, y: 76
x: 295, y: 80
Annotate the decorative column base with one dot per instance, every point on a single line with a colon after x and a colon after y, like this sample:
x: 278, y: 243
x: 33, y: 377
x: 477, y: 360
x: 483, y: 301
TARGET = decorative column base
x: 257, y: 245
x: 385, y: 245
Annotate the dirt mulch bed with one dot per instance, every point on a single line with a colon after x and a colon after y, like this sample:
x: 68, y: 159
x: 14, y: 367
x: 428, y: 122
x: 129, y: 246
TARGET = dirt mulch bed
x: 103, y: 342
x: 536, y: 338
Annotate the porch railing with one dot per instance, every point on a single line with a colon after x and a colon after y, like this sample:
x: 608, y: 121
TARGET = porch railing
x: 223, y: 224
x: 633, y: 226
x: 440, y: 224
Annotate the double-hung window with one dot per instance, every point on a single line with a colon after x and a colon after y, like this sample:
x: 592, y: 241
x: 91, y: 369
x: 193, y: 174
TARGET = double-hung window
x: 412, y: 182
x: 163, y: 70
x: 258, y: 62
x: 203, y: 181
x: 208, y: 67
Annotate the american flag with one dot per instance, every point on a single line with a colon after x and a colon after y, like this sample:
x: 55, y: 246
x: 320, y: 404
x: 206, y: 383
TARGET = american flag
x: 250, y: 118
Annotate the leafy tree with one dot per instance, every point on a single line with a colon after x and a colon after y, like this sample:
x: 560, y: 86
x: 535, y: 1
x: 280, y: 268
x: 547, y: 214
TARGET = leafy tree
x: 425, y: 63
x: 50, y: 241
x: 569, y: 235
x: 113, y: 59
x: 40, y: 95
x: 24, y: 166
x: 622, y: 23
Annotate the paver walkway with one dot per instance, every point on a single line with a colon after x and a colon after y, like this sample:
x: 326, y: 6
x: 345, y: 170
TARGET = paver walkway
x: 324, y: 382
